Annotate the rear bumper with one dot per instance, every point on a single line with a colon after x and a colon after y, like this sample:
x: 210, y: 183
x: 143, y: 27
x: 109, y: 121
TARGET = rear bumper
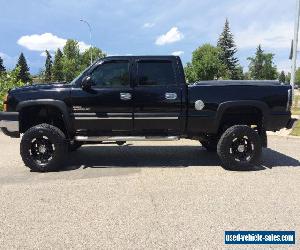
x: 291, y: 123
x: 9, y: 123
x: 277, y: 122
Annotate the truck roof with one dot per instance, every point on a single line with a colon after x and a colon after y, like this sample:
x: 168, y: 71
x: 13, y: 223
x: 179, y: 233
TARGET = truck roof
x: 240, y: 82
x: 166, y: 57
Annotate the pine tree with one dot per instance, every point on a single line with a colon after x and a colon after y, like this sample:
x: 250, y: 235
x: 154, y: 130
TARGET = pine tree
x: 228, y: 50
x: 48, y: 67
x: 282, y: 77
x: 256, y: 65
x: 23, y: 74
x: 57, y: 68
x: 2, y: 68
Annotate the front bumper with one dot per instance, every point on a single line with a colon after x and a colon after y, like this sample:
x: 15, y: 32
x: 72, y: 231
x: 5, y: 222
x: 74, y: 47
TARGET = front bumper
x: 9, y: 123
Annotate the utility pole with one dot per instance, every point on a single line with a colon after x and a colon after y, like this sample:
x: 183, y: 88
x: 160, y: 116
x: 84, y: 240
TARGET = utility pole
x: 295, y: 45
x: 90, y: 29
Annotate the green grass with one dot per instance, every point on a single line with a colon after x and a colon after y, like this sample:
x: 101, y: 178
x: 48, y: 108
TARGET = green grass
x: 296, y: 105
x: 296, y: 129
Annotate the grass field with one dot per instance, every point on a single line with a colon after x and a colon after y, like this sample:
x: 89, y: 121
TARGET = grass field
x: 296, y: 129
x: 296, y: 105
x: 296, y: 111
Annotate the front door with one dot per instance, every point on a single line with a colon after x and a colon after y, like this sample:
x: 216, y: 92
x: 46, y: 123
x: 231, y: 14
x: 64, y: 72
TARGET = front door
x: 157, y: 98
x: 106, y: 107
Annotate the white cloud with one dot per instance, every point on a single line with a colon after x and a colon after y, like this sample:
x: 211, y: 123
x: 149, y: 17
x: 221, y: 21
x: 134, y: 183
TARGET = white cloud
x: 178, y: 53
x: 173, y: 35
x: 42, y: 42
x: 276, y: 36
x: 46, y: 41
x: 148, y: 25
x: 83, y: 46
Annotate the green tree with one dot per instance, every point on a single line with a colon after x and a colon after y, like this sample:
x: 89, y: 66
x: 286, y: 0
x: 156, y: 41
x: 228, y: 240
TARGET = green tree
x: 228, y: 51
x: 240, y: 73
x: 190, y: 74
x: 282, y: 77
x: 48, y: 67
x: 261, y: 66
x: 206, y: 64
x: 57, y: 68
x: 86, y: 56
x: 297, y: 76
x: 288, y: 78
x: 71, y: 60
x: 2, y: 68
x: 23, y: 74
x: 9, y: 81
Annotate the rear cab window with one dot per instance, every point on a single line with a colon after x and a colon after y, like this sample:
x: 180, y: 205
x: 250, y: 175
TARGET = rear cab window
x: 155, y: 73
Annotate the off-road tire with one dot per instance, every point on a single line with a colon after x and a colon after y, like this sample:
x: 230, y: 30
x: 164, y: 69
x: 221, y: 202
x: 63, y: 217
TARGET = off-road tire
x: 56, y: 138
x: 224, y: 148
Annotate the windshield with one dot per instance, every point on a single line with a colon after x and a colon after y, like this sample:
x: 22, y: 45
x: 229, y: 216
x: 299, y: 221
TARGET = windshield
x: 80, y: 76
x: 83, y: 74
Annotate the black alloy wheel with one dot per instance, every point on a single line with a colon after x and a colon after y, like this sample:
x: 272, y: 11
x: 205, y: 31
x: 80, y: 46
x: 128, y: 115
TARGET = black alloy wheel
x: 240, y: 148
x: 43, y: 148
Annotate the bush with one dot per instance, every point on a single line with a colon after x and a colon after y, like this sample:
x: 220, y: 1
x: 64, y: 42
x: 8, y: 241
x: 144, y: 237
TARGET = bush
x: 8, y: 81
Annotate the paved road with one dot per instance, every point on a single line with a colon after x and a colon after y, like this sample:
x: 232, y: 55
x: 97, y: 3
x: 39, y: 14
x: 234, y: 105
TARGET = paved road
x: 145, y: 196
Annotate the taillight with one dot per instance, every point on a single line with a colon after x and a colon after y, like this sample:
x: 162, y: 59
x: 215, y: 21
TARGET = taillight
x: 290, y: 100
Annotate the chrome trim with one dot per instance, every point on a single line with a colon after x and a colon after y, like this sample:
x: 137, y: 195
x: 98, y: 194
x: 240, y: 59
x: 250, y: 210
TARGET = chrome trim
x: 83, y: 114
x: 125, y: 138
x: 11, y: 126
x: 125, y: 96
x: 103, y: 118
x: 171, y: 96
x: 156, y: 118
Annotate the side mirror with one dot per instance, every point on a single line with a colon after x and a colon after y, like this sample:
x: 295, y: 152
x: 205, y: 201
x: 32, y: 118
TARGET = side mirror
x: 86, y: 82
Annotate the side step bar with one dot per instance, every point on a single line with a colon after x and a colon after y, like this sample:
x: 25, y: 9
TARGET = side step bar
x: 125, y: 138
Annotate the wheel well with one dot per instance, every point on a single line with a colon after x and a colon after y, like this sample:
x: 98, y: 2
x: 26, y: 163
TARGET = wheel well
x: 34, y: 115
x: 242, y: 115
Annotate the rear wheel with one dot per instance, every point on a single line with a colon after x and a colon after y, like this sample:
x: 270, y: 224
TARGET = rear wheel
x: 43, y: 148
x: 239, y: 148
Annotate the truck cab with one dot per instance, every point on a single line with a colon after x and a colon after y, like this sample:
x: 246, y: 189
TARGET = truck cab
x: 143, y: 95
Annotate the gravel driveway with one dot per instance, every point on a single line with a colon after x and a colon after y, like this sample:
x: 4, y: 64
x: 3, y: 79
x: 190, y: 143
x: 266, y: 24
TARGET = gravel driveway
x: 171, y: 195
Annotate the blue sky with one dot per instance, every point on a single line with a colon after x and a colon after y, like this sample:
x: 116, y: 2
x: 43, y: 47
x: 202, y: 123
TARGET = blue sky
x: 144, y: 27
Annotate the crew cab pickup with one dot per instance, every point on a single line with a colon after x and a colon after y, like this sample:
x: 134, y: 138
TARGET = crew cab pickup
x: 133, y: 98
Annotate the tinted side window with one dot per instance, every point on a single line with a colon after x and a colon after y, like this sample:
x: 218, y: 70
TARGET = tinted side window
x: 111, y: 74
x: 156, y: 73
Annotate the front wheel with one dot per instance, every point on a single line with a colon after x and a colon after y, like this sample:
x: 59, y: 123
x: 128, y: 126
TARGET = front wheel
x: 43, y: 148
x: 239, y: 148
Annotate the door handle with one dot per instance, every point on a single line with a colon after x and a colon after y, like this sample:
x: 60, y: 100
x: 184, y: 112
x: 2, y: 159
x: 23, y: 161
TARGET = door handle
x: 125, y: 96
x: 171, y: 96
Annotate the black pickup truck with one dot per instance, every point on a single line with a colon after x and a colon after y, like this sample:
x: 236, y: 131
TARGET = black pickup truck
x: 133, y: 98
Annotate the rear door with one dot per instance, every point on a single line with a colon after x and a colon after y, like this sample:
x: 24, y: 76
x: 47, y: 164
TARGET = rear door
x: 157, y: 97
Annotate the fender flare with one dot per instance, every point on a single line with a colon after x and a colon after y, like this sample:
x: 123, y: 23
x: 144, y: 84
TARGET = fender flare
x: 49, y: 102
x: 263, y: 107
